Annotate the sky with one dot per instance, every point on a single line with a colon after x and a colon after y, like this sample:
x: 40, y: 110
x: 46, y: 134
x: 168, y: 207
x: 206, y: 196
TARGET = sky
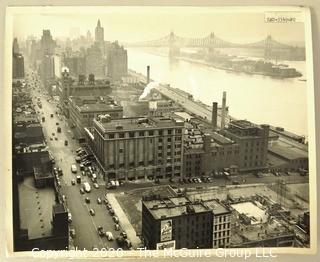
x: 131, y: 24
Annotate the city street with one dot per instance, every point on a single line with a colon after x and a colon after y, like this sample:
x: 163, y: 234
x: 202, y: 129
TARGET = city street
x: 84, y: 224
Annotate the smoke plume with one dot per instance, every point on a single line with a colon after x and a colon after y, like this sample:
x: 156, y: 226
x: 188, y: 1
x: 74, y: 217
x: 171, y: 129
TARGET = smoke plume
x: 147, y: 89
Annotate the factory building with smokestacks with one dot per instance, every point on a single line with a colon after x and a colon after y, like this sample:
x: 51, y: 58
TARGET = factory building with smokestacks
x: 234, y: 146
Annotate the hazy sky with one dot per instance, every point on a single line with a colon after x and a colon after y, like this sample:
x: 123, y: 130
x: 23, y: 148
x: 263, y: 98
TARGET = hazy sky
x: 146, y: 23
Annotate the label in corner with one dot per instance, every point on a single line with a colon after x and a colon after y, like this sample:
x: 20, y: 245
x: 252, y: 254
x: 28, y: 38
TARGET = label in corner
x: 283, y: 17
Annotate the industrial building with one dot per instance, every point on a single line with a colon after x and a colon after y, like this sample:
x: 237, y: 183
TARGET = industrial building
x: 83, y: 109
x: 137, y: 148
x: 253, y: 143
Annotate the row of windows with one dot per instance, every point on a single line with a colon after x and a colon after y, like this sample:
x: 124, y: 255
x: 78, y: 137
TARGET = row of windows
x: 221, y: 226
x: 222, y: 234
x: 145, y: 133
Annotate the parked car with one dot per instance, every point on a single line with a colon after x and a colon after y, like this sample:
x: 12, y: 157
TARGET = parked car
x: 69, y: 217
x: 116, y: 227
x: 73, y: 182
x: 99, y: 201
x: 115, y: 219
x: 111, y: 211
x: 95, y: 185
x: 91, y: 211
x: 87, y: 199
x: 109, y: 206
x: 81, y: 191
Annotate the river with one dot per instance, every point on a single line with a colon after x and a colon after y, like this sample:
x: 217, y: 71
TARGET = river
x: 260, y: 99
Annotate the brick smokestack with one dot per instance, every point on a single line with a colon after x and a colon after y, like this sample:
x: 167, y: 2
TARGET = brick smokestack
x: 214, y: 115
x: 148, y: 74
x: 224, y: 108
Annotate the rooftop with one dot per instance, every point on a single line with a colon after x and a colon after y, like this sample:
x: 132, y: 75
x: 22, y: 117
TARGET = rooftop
x: 216, y: 207
x: 173, y: 207
x: 35, y: 208
x: 286, y: 151
x: 136, y: 123
x: 220, y: 139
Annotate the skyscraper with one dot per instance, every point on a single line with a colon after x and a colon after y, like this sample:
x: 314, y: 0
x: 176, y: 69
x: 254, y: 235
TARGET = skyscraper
x: 15, y: 46
x: 47, y: 43
x: 117, y: 61
x: 99, y: 33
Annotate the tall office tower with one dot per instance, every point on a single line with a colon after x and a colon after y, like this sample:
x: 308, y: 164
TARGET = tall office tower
x: 47, y: 43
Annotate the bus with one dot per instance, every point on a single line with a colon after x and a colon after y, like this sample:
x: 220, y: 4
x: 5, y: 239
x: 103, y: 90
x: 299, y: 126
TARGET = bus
x: 86, y: 187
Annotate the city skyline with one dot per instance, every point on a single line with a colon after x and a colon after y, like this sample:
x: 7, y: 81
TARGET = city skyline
x: 129, y: 24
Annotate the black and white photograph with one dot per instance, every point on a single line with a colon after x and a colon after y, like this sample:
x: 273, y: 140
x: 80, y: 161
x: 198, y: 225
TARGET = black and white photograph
x: 139, y: 128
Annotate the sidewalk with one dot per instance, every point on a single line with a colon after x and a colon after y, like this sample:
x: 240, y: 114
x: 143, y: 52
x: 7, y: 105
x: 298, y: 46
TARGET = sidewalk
x: 123, y: 221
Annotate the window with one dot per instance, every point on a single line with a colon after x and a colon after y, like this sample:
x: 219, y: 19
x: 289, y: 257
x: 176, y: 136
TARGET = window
x: 121, y: 135
x: 111, y: 136
x: 141, y: 133
x: 150, y: 133
x: 160, y: 132
x: 169, y: 139
x: 169, y: 132
x: 131, y: 134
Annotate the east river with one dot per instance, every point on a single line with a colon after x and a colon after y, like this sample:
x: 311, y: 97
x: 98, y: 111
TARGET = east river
x: 260, y: 99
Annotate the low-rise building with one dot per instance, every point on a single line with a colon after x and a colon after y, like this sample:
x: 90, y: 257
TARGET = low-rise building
x: 137, y: 148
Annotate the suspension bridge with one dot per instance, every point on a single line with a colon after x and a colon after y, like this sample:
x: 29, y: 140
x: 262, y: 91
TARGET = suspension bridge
x: 211, y: 42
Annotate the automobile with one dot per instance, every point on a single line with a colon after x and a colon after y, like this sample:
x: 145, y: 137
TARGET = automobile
x: 116, y: 227
x: 73, y: 233
x: 73, y: 182
x: 60, y: 171
x: 109, y: 236
x: 184, y: 180
x: 180, y: 181
x: 87, y: 199
x: 69, y: 217
x: 111, y: 211
x: 81, y: 191
x: 56, y: 138
x: 57, y: 123
x: 94, y: 168
x: 195, y: 180
x: 91, y: 211
x: 79, y: 179
x: 81, y: 166
x: 189, y: 180
x: 171, y: 180
x: 115, y: 219
x: 51, y: 138
x: 87, y: 163
x: 83, y: 173
x: 51, y: 115
x: 209, y: 179
x: 59, y: 184
x: 79, y: 149
x: 199, y: 180
x: 78, y: 159
x: 124, y: 234
x: 53, y: 134
x: 128, y: 243
x: 99, y: 201
x: 100, y: 231
x: 66, y: 142
x: 108, y: 205
x: 95, y: 185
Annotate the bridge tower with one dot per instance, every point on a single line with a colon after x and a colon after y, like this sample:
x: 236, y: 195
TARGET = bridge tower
x: 268, y: 47
x: 174, y: 48
x: 211, y: 44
